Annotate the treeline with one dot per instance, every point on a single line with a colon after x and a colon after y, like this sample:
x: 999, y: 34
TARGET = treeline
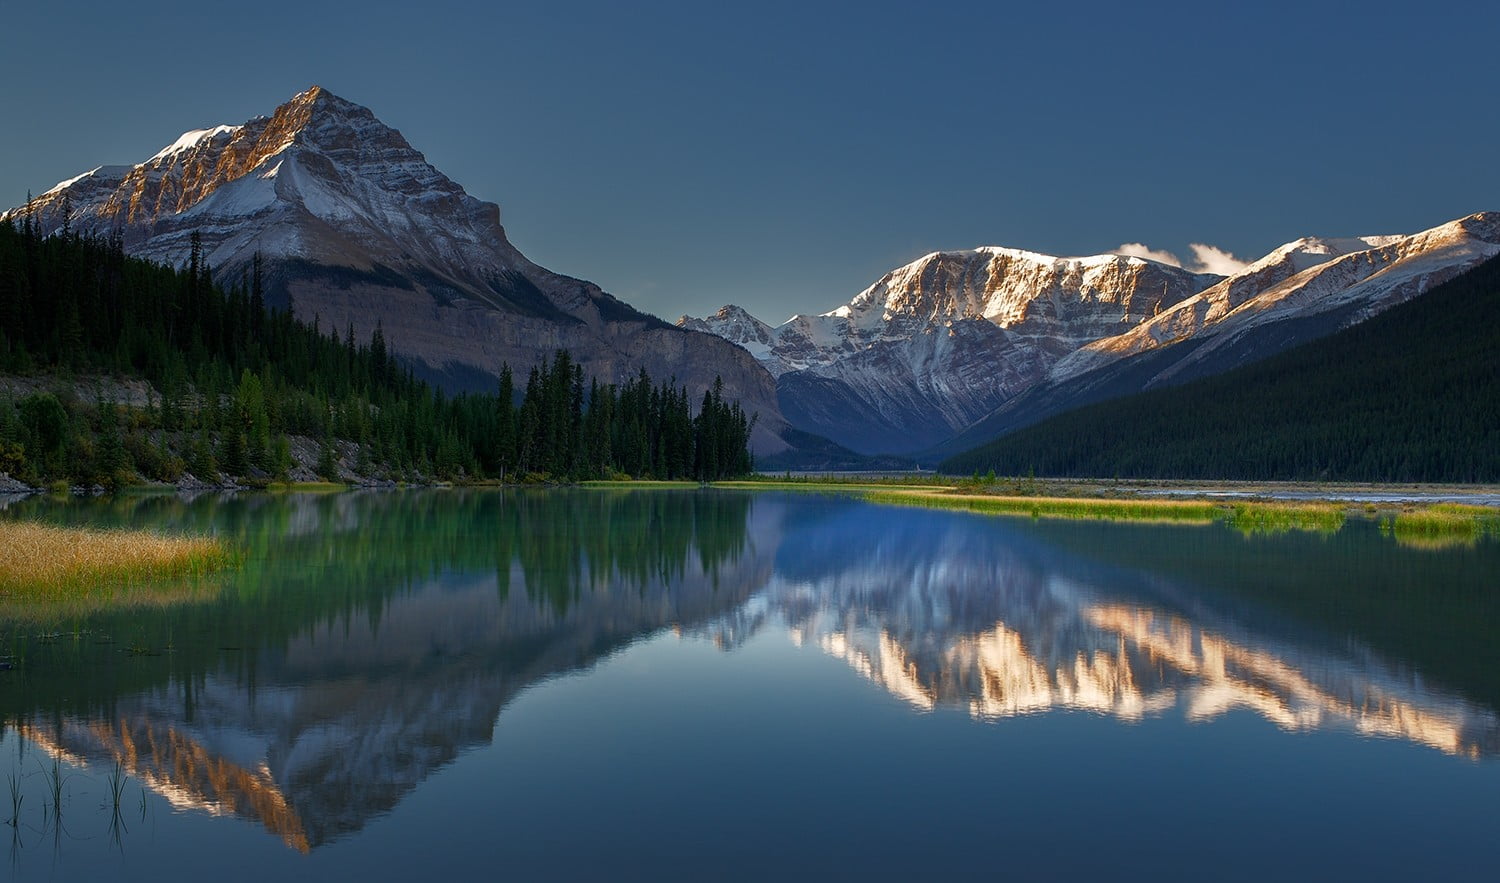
x: 636, y: 428
x: 1412, y: 394
x: 238, y: 380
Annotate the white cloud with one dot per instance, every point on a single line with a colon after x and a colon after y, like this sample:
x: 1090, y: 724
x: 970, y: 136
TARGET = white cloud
x: 1212, y: 259
x: 1206, y: 258
x: 1139, y: 250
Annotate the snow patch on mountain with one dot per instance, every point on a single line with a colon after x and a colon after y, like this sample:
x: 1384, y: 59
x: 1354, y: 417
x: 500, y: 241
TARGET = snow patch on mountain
x: 103, y: 176
x: 192, y: 139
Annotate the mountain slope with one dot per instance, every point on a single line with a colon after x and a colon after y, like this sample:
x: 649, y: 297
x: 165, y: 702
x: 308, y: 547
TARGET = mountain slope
x: 936, y: 344
x: 356, y: 228
x: 1412, y: 394
x: 1298, y: 293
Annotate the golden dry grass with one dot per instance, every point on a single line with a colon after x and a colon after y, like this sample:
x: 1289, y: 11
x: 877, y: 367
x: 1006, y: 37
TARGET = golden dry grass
x: 47, y: 563
x: 1054, y: 507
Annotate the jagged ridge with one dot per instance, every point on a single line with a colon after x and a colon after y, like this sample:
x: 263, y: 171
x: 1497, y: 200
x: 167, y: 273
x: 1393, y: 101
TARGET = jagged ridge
x: 935, y: 345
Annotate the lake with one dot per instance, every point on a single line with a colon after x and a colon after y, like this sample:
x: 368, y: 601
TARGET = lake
x: 710, y: 685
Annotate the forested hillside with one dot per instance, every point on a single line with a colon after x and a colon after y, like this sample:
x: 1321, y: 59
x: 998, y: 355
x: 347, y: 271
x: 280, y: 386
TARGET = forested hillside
x: 1412, y: 394
x: 236, y: 381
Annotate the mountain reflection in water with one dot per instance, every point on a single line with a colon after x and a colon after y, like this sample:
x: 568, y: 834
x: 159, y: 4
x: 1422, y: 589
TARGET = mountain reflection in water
x: 952, y: 612
x: 408, y: 642
x: 372, y: 638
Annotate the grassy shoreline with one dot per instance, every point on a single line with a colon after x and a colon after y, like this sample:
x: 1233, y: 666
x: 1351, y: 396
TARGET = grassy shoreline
x: 46, y: 564
x: 1413, y: 523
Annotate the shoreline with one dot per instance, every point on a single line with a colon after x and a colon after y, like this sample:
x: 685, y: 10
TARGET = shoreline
x: 1351, y: 493
x: 1211, y: 489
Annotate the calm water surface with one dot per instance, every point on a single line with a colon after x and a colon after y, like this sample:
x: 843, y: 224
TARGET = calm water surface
x: 716, y: 685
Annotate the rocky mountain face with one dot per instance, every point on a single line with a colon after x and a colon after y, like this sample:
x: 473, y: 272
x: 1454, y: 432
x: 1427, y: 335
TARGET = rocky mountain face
x: 1299, y: 292
x: 355, y: 227
x: 937, y: 344
x: 957, y: 348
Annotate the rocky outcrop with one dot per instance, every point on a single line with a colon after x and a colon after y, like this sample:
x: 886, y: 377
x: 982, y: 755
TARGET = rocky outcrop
x: 10, y: 485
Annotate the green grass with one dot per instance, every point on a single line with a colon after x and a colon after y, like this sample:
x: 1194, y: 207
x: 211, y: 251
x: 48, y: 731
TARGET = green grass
x: 1440, y: 524
x: 640, y: 483
x: 1055, y: 507
x: 916, y: 479
x: 820, y: 486
x: 1437, y: 526
x: 307, y: 486
x: 1278, y: 517
x: 1445, y: 525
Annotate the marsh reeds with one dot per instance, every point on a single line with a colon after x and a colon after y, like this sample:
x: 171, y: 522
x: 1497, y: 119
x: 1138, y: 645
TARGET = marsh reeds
x: 1056, y: 507
x: 116, y: 782
x: 41, y: 563
x: 16, y: 799
x: 1444, y: 526
x: 1274, y: 518
x: 54, y: 780
x: 644, y: 484
x: 1436, y: 526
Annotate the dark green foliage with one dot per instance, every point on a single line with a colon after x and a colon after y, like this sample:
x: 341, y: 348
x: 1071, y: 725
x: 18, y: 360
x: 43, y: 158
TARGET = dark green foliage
x: 234, y: 375
x: 281, y: 458
x: 47, y: 423
x: 564, y: 428
x: 1412, y: 394
x: 201, y: 460
x: 328, y: 466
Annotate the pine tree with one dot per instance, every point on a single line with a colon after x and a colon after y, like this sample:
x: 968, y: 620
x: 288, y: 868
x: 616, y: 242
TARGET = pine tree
x: 234, y: 376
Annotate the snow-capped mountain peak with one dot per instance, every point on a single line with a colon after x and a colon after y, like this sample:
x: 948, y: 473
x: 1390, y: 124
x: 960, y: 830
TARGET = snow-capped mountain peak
x: 1008, y: 285
x: 938, y: 342
x: 736, y: 325
x: 1306, y: 277
x: 355, y: 227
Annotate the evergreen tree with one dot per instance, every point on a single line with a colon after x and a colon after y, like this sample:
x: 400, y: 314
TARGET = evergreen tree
x: 236, y: 377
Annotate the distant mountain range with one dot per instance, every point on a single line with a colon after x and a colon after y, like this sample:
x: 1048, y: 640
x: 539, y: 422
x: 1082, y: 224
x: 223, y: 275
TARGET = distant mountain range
x: 355, y: 227
x: 957, y: 348
x: 943, y: 341
x: 1410, y: 395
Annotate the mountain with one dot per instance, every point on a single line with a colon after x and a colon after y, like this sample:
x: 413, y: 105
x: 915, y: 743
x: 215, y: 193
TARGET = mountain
x: 355, y: 227
x: 1412, y: 394
x: 937, y: 344
x: 1301, y: 291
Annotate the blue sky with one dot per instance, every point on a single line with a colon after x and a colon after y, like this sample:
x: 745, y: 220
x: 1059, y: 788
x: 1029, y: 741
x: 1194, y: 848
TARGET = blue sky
x: 784, y: 156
